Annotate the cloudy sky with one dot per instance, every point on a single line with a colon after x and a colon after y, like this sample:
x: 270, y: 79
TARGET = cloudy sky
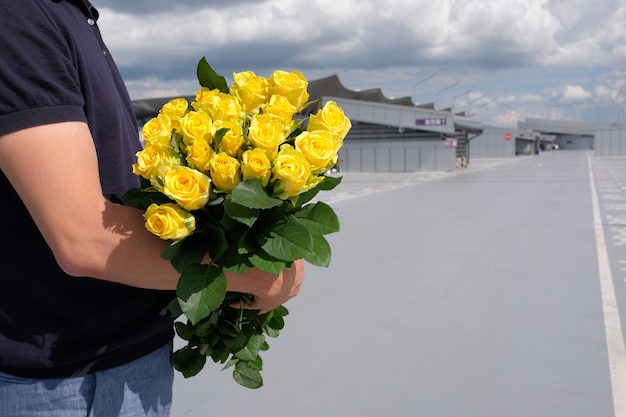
x: 500, y: 60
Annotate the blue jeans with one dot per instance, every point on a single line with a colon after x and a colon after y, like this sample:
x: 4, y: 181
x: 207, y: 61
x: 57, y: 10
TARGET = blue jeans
x: 140, y: 388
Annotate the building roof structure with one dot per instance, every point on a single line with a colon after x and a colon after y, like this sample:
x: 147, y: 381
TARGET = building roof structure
x: 331, y: 86
x: 559, y: 127
x: 366, y: 106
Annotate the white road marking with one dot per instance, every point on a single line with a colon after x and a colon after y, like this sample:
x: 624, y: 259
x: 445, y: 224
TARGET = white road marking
x: 612, y: 323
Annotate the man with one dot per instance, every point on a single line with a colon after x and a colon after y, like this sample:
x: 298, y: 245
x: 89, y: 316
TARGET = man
x: 81, y: 280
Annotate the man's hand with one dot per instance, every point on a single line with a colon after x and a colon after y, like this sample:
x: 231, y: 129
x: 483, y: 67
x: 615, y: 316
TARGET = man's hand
x: 269, y: 291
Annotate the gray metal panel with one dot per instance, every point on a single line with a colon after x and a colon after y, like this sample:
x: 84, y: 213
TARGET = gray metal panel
x: 412, y: 159
x: 492, y: 143
x: 577, y: 142
x: 610, y: 142
x: 397, y: 160
x: 368, y: 160
x: 395, y: 115
x: 558, y: 126
x: 383, y: 163
x: 396, y: 156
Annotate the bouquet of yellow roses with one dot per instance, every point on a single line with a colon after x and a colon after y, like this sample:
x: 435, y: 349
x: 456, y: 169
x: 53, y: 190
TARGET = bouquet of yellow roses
x: 233, y: 175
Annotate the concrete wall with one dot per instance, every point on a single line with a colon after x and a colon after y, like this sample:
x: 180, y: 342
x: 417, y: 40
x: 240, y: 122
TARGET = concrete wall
x: 574, y: 141
x: 396, y: 156
x: 610, y: 142
x: 492, y: 143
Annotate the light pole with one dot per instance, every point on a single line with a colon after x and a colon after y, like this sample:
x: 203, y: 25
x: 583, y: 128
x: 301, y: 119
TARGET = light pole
x: 442, y: 90
x: 457, y: 96
x: 418, y: 83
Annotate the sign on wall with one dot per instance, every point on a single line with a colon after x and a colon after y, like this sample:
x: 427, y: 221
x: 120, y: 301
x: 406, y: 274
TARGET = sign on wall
x: 431, y: 121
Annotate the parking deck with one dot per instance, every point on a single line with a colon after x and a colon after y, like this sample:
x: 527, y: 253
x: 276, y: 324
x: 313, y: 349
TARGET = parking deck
x: 483, y: 292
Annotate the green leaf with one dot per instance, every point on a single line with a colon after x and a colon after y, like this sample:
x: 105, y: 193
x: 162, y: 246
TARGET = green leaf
x: 271, y: 332
x: 142, y: 197
x: 288, y: 240
x: 232, y: 261
x: 215, y: 239
x: 257, y: 363
x: 178, y: 144
x: 207, y: 325
x: 251, y: 350
x: 327, y: 184
x: 275, y: 321
x: 242, y: 214
x: 237, y: 342
x: 220, y: 356
x: 200, y: 290
x: 188, y: 361
x: 280, y: 311
x: 321, y: 253
x: 171, y: 251
x: 251, y: 194
x: 134, y: 198
x: 248, y: 242
x: 235, y: 267
x: 271, y: 266
x: 207, y: 77
x: 247, y: 376
x: 184, y: 330
x: 330, y: 183
x: 319, y: 218
x: 218, y: 136
x: 173, y: 309
x: 185, y: 252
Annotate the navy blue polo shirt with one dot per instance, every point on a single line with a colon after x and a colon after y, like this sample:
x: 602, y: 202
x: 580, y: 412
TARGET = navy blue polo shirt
x: 55, y: 68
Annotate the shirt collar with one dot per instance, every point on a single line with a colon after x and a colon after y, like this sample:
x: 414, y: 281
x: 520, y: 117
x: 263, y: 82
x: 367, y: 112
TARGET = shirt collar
x: 85, y: 6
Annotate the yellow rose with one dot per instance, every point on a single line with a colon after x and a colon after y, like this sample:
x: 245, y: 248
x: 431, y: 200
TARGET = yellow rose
x: 196, y: 125
x: 152, y: 157
x: 233, y: 140
x: 255, y: 164
x: 292, y: 173
x: 175, y: 109
x: 250, y: 89
x: 266, y: 132
x: 320, y: 148
x: 224, y: 171
x: 291, y: 85
x: 188, y: 187
x: 279, y: 106
x: 169, y: 221
x: 204, y: 99
x: 282, y: 109
x: 199, y: 155
x: 218, y: 105
x: 331, y: 118
x: 157, y: 129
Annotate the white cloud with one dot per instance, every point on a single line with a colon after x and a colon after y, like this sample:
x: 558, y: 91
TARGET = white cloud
x: 575, y: 93
x: 522, y: 55
x: 530, y: 99
x: 519, y: 28
x: 508, y: 118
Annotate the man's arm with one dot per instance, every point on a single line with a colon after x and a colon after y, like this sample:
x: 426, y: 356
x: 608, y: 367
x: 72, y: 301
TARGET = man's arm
x: 54, y: 169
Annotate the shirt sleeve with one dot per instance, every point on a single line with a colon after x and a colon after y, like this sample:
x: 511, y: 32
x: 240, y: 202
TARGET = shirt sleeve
x: 39, y: 81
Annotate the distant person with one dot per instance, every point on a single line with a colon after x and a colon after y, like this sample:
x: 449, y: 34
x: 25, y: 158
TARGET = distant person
x: 82, y: 282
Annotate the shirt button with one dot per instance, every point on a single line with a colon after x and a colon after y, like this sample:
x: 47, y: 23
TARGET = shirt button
x: 91, y: 22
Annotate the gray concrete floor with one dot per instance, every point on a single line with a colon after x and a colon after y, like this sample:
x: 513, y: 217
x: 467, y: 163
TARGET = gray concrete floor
x: 461, y: 294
